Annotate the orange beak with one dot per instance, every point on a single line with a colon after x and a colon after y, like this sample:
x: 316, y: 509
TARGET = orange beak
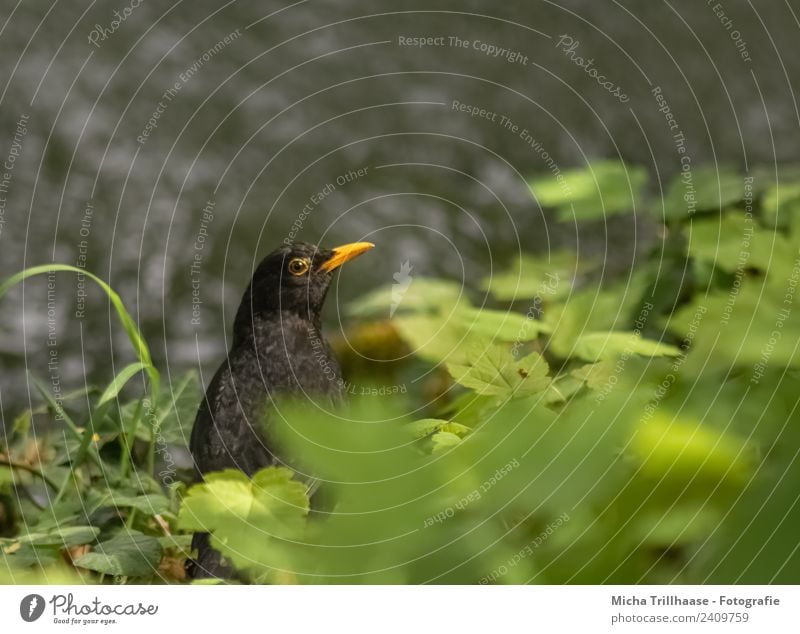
x: 345, y: 253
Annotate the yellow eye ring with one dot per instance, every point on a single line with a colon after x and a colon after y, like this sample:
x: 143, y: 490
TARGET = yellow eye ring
x: 298, y: 266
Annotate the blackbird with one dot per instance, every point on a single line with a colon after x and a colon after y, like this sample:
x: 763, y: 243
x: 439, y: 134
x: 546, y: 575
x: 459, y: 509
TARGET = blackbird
x: 277, y: 349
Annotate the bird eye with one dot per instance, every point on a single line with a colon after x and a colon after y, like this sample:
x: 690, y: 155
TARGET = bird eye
x: 298, y: 266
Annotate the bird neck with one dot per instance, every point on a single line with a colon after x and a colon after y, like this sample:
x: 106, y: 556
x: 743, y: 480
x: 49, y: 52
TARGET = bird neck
x: 251, y: 327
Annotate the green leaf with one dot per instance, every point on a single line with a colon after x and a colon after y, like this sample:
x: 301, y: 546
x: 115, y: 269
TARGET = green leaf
x: 150, y: 504
x: 616, y: 307
x: 502, y: 325
x: 421, y: 295
x: 601, y: 189
x: 22, y: 556
x: 127, y: 554
x: 458, y: 429
x: 562, y: 390
x: 711, y: 188
x: 62, y: 537
x: 430, y: 337
x: 444, y: 440
x: 600, y: 346
x: 427, y: 426
x: 595, y: 375
x: 181, y: 543
x: 547, y: 277
x: 243, y: 515
x: 442, y: 336
x: 782, y: 205
x: 114, y: 388
x: 492, y: 370
x: 752, y: 327
x: 175, y: 412
x: 734, y: 243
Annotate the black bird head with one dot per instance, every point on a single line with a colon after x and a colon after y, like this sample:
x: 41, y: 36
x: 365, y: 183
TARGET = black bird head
x: 293, y: 279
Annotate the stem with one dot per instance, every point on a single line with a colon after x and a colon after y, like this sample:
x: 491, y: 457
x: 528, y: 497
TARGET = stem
x: 13, y: 464
x: 151, y: 449
x: 86, y: 441
x: 155, y: 427
x: 128, y: 436
x: 93, y: 454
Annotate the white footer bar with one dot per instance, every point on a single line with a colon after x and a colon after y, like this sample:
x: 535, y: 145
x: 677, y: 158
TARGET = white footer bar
x: 390, y: 609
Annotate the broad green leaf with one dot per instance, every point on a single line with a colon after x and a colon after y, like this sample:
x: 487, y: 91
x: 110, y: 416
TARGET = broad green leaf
x: 128, y: 554
x: 749, y: 328
x: 426, y: 426
x: 175, y: 412
x: 492, y: 370
x: 704, y: 188
x: 497, y: 324
x: 601, y: 189
x: 62, y: 537
x: 595, y: 375
x: 458, y: 429
x: 181, y: 543
x: 243, y: 514
x: 429, y: 336
x: 150, y: 504
x: 604, y: 346
x: 444, y: 440
x: 21, y: 556
x: 421, y: 294
x: 734, y: 243
x: 781, y: 205
x: 546, y: 278
x: 562, y: 389
x: 616, y: 307
x: 442, y: 336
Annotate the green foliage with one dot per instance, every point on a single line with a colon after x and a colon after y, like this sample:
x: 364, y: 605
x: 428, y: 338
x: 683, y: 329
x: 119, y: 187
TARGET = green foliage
x: 428, y: 426
x: 566, y: 427
x: 705, y: 188
x: 492, y: 370
x: 245, y: 514
x: 548, y: 278
x: 601, y: 189
x: 425, y: 295
x: 605, y: 346
x: 92, y: 494
x: 127, y: 554
x: 782, y: 205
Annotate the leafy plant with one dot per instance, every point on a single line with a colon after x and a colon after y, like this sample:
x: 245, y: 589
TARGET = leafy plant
x: 92, y: 497
x: 603, y: 188
x: 560, y: 427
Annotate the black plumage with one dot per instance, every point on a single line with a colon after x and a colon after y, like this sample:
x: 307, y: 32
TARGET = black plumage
x: 277, y: 349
